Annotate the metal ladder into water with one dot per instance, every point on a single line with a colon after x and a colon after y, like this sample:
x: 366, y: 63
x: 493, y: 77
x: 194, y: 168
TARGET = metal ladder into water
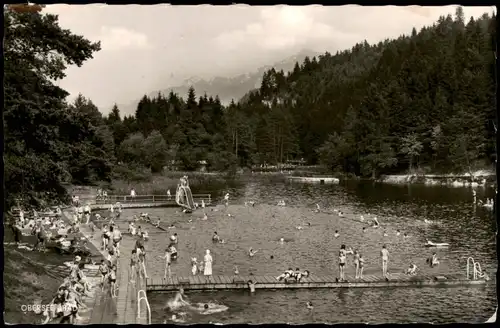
x: 476, y: 269
x: 143, y: 298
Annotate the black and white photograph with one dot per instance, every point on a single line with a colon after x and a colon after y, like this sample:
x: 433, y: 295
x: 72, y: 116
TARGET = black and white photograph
x: 247, y: 164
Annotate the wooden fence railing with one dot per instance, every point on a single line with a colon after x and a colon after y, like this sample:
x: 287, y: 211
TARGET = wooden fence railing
x: 127, y: 199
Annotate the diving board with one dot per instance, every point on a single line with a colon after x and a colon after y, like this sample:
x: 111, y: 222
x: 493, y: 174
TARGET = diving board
x: 270, y: 282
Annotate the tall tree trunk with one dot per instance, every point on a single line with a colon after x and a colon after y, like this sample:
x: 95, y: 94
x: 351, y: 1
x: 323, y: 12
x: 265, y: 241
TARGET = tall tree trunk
x: 281, y: 149
x: 236, y: 144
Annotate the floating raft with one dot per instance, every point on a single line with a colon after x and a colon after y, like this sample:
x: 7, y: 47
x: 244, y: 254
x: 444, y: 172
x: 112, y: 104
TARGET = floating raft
x: 268, y: 282
x: 320, y: 180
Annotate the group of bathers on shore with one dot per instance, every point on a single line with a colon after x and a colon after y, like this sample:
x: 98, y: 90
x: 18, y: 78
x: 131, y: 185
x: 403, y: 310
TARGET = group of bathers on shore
x: 68, y: 299
x: 50, y: 231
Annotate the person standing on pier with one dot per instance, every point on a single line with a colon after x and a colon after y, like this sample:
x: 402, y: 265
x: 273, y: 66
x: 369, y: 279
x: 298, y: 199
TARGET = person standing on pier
x: 141, y: 253
x: 208, y: 265
x: 194, y: 266
x: 342, y: 260
x: 385, y: 259
x: 134, y: 263
x: 132, y: 194
x: 169, y: 195
x: 356, y: 263
x: 117, y: 237
x: 168, y: 262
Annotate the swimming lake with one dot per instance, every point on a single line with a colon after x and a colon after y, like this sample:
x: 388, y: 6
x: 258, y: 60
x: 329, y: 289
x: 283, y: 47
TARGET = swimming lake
x: 469, y: 230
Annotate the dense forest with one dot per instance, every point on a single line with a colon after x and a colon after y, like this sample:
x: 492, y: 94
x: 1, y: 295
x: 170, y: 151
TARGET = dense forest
x: 423, y: 101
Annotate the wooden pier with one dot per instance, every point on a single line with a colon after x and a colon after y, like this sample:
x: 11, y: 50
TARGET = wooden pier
x: 269, y: 282
x: 142, y: 201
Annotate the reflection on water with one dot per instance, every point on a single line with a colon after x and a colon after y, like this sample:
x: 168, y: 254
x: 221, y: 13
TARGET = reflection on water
x: 470, y: 231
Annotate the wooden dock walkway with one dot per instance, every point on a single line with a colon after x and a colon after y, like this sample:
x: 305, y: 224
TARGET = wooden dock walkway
x: 103, y: 309
x: 269, y: 282
x: 141, y: 201
x: 135, y: 205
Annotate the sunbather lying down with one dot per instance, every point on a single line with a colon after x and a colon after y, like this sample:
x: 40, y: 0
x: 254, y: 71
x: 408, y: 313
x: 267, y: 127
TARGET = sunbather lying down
x: 296, y: 275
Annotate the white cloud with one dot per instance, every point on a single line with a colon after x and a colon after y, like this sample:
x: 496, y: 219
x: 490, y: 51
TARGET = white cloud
x: 279, y: 27
x: 118, y: 38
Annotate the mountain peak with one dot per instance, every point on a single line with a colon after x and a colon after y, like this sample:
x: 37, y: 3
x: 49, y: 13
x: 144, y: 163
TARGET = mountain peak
x: 227, y: 88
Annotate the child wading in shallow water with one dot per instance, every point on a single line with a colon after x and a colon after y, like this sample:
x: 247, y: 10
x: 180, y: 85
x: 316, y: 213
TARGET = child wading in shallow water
x: 356, y: 263
x: 361, y: 265
x: 385, y: 259
x: 194, y: 266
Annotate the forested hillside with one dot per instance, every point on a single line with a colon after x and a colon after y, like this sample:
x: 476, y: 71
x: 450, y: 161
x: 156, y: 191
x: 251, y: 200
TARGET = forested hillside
x: 424, y: 100
x: 226, y: 88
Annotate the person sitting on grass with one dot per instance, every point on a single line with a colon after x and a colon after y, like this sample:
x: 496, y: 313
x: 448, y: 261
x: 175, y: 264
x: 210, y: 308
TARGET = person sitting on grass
x: 55, y: 308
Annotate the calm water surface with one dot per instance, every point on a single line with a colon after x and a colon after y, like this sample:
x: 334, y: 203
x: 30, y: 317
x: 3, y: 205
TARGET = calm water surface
x: 469, y: 230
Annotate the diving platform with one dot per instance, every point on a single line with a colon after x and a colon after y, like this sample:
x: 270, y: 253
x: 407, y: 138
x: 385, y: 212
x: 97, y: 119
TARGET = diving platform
x: 268, y: 282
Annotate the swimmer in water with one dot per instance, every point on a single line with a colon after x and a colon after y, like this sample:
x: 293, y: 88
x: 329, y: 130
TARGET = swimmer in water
x: 412, y: 270
x: 362, y: 218
x: 252, y: 252
x: 341, y: 214
x: 376, y: 224
x: 433, y: 261
x: 215, y: 237
x: 251, y: 286
x: 236, y: 271
x: 205, y: 217
x: 298, y: 227
x: 398, y: 232
x: 282, y: 240
x: 405, y: 235
x: 317, y: 210
x: 336, y: 235
x: 309, y: 305
x: 178, y: 300
x: 364, y: 229
x: 385, y: 233
x: 179, y: 318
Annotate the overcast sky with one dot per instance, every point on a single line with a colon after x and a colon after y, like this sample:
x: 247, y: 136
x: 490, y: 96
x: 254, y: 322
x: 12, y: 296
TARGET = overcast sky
x: 147, y: 48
